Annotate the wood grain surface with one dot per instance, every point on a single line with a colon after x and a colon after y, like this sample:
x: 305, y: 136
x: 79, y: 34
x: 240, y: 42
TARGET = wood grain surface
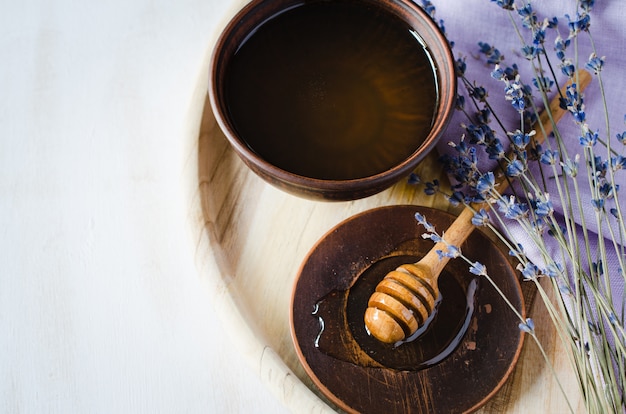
x: 259, y: 236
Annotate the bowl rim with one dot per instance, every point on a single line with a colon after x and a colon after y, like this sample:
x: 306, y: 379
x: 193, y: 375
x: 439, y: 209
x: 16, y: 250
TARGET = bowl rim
x: 445, y: 74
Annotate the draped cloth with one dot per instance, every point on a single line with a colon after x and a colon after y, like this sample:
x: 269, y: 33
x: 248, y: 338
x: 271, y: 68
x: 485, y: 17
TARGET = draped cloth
x: 471, y: 21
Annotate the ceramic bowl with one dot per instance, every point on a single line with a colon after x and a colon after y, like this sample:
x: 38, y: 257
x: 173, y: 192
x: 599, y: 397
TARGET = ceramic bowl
x: 319, y: 184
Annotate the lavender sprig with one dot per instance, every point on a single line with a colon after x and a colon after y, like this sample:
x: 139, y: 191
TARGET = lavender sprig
x: 587, y: 316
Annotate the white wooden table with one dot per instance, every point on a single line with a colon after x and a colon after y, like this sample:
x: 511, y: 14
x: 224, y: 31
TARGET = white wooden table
x: 102, y: 307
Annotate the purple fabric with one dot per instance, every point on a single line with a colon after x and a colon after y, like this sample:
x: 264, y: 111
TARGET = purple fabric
x: 470, y: 21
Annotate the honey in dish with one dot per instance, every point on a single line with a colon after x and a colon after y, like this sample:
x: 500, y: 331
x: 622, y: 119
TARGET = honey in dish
x: 342, y: 311
x: 332, y: 90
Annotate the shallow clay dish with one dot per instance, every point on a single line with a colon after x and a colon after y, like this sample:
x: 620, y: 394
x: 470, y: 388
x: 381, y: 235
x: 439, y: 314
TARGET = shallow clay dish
x: 466, y: 379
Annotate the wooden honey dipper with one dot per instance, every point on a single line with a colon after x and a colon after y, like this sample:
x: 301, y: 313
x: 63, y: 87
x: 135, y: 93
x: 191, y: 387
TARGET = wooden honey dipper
x: 405, y: 298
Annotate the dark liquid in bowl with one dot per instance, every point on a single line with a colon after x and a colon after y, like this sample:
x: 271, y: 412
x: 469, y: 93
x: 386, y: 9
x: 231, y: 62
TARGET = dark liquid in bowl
x: 332, y: 90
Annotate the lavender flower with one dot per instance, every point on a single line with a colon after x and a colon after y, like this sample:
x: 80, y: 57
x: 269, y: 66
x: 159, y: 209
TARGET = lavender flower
x: 573, y: 102
x: 505, y: 4
x: 528, y: 16
x: 456, y: 198
x: 543, y: 83
x: 479, y: 93
x: 549, y: 157
x: 432, y: 187
x: 552, y: 23
x: 451, y: 252
x: 544, y: 208
x: 483, y: 116
x: 561, y: 45
x: 486, y: 183
x: 553, y: 270
x: 528, y: 326
x: 512, y: 209
x: 618, y: 162
x: 570, y: 167
x: 587, y: 5
x: 531, y: 52
x: 608, y: 190
x: 460, y: 67
x: 460, y: 102
x: 595, y: 63
x: 539, y: 36
x: 589, y: 139
x: 495, y: 150
x: 514, y: 92
x: 478, y: 269
x: 511, y: 72
x: 493, y: 55
x: 429, y: 8
x: 578, y: 24
x: 422, y: 220
x: 520, y: 139
x: 498, y: 73
x: 515, y: 168
x: 529, y: 271
x: 598, y: 204
x: 481, y: 218
x: 432, y: 236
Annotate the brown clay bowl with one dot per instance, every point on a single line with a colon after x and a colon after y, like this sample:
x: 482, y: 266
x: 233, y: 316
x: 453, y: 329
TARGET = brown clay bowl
x: 313, y: 186
x: 339, y: 359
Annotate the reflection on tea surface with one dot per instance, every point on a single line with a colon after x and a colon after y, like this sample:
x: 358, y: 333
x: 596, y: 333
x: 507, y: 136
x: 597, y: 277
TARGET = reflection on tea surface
x: 332, y: 90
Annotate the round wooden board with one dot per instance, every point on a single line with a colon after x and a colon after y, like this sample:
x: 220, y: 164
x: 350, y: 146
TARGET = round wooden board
x: 466, y: 379
x: 252, y: 241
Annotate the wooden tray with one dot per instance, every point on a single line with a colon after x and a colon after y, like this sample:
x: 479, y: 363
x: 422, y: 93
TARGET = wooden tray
x: 252, y: 238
